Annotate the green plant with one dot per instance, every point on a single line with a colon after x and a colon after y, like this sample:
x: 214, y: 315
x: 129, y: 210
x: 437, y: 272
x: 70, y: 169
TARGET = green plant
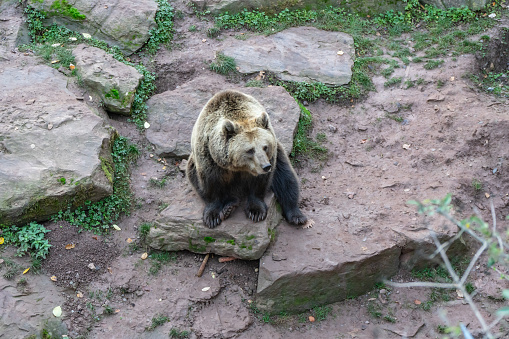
x: 440, y: 83
x: 28, y: 239
x: 303, y: 145
x: 223, y: 64
x: 160, y: 183
x: 157, y: 321
x: 213, y: 32
x: 145, y: 229
x: 393, y: 81
x: 254, y: 83
x: 108, y: 310
x: 99, y: 216
x: 192, y: 28
x: 431, y: 64
x: 12, y: 269
x: 62, y: 180
x: 163, y: 33
x: 321, y: 312
x: 157, y: 259
x: 177, y: 333
x: 476, y: 185
x: 394, y: 117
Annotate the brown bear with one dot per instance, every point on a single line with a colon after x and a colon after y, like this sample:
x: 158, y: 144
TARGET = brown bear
x: 235, y: 156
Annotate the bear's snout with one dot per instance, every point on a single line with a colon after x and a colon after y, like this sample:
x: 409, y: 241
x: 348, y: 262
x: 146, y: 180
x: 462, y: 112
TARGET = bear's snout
x: 266, y: 168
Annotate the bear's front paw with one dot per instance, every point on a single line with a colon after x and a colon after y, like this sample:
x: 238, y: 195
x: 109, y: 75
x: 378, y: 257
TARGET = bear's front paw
x: 256, y: 210
x: 295, y: 217
x: 212, y: 216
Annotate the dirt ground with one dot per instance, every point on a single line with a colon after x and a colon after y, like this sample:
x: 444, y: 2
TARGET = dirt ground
x: 453, y: 137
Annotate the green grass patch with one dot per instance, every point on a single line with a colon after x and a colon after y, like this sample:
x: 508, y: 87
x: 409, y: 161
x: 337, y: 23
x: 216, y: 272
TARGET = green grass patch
x: 178, y: 334
x: 157, y: 321
x: 303, y: 145
x: 160, y: 258
x: 29, y: 239
x: 223, y: 64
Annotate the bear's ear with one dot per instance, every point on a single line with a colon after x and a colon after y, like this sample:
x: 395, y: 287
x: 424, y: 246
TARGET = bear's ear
x: 263, y: 120
x: 230, y: 128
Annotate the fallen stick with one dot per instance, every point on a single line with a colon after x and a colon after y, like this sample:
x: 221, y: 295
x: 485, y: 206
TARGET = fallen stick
x: 226, y: 259
x: 203, y: 264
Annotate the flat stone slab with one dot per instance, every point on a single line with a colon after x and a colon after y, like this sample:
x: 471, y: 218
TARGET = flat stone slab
x: 343, y: 255
x: 113, y: 81
x: 303, y: 54
x: 53, y: 148
x: 180, y: 227
x: 172, y: 114
x: 121, y: 23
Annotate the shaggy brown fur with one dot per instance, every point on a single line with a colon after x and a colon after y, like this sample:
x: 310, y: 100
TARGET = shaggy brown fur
x: 235, y: 155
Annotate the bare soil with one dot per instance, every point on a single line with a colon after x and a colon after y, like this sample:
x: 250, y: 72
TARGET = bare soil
x: 462, y: 137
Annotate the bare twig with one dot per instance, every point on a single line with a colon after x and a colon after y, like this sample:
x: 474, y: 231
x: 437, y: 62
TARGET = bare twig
x: 447, y: 243
x: 421, y: 284
x: 226, y: 259
x: 473, y: 262
x: 203, y: 264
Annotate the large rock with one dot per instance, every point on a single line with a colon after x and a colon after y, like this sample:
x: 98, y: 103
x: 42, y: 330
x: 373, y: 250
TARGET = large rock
x: 172, y: 114
x: 121, y: 23
x: 370, y: 7
x: 180, y: 227
x: 113, y: 81
x: 342, y: 256
x: 54, y: 151
x: 303, y: 54
x: 444, y: 4
x: 13, y: 29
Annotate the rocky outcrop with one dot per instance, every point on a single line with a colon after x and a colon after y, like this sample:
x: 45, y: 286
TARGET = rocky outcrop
x: 13, y: 30
x: 234, y: 6
x: 113, y: 81
x: 172, y: 114
x: 340, y: 257
x: 54, y: 151
x: 180, y: 227
x: 444, y: 4
x: 121, y: 23
x: 303, y: 54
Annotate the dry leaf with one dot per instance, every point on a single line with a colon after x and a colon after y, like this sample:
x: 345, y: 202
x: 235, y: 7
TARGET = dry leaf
x: 164, y: 167
x: 129, y: 240
x: 86, y: 35
x: 452, y: 78
x: 69, y: 246
x: 371, y: 299
x: 55, y: 45
x: 55, y: 61
x: 364, y: 248
x: 110, y: 270
x: 406, y: 146
x: 460, y: 294
x: 341, y: 52
x: 486, y: 195
x: 53, y: 278
x: 117, y: 310
x: 79, y: 295
x: 417, y: 302
x: 116, y: 227
x: 146, y: 125
x: 71, y: 67
x: 25, y: 271
x: 144, y: 256
x: 94, y: 237
x: 311, y: 318
x: 250, y: 301
x: 1, y: 240
x: 205, y: 289
x: 363, y: 141
x: 204, y: 40
x: 57, y: 311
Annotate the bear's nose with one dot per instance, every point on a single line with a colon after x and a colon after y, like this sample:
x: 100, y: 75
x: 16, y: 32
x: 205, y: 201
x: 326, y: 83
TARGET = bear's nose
x: 266, y: 168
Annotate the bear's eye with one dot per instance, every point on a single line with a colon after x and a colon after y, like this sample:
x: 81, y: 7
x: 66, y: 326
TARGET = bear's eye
x: 265, y: 148
x: 251, y: 151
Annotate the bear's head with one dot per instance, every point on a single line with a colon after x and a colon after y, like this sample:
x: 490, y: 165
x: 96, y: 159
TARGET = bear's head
x: 249, y: 146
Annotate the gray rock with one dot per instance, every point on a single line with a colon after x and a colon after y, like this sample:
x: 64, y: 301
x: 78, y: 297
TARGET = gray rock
x: 53, y: 148
x: 444, y: 4
x: 303, y: 54
x: 121, y: 23
x: 13, y: 30
x: 172, y: 114
x: 24, y: 314
x: 334, y: 260
x: 180, y: 227
x: 235, y: 6
x: 113, y: 81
